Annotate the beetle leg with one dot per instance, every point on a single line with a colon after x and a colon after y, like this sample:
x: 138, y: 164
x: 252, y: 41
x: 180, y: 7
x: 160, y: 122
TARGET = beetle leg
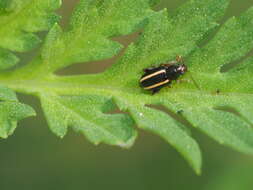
x: 155, y: 90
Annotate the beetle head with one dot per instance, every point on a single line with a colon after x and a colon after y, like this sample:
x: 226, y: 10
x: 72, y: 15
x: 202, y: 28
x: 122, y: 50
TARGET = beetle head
x: 182, y: 68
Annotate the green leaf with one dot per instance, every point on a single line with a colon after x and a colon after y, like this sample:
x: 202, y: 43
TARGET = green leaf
x: 87, y: 38
x: 87, y: 114
x: 217, y: 103
x: 11, y: 111
x: 92, y: 24
x: 7, y: 59
x: 19, y: 20
x: 170, y: 130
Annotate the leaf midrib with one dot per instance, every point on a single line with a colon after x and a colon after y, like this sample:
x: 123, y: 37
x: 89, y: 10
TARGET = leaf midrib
x: 65, y: 88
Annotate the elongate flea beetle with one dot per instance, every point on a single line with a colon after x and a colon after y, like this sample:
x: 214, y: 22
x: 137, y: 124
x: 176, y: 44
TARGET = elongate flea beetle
x: 157, y: 77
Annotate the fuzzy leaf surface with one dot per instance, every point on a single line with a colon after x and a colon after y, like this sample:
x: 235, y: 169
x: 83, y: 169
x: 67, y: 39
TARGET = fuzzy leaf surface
x: 19, y: 20
x: 87, y: 39
x: 11, y: 110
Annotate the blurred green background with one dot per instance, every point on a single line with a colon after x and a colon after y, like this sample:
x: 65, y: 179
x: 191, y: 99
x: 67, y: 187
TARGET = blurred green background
x: 34, y: 159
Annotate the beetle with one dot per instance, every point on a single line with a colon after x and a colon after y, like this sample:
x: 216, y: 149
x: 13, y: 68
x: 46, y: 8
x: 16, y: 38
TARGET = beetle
x: 156, y: 78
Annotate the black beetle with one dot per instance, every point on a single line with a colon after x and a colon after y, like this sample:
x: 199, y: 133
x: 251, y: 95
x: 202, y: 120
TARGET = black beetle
x: 155, y: 78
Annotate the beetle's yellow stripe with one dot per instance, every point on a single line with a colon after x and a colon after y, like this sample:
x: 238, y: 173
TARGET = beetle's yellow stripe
x: 156, y: 85
x: 153, y: 74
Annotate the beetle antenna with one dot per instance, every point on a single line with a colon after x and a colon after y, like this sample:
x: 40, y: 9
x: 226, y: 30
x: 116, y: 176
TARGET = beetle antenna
x: 193, y: 80
x: 179, y: 59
